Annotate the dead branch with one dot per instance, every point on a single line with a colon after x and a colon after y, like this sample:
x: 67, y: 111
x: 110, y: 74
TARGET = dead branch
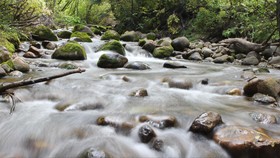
x: 4, y: 88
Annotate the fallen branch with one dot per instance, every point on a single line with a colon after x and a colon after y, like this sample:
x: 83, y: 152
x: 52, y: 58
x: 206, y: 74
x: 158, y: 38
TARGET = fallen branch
x: 4, y: 88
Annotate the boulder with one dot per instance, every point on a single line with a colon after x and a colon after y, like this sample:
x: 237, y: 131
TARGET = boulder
x: 163, y: 52
x: 83, y: 28
x: 146, y: 134
x: 181, y: 84
x: 151, y: 36
x: 149, y: 46
x: 130, y: 36
x: 2, y: 72
x: 137, y: 66
x: 180, y: 43
x: 252, y: 60
x: 264, y: 99
x: 83, y: 37
x: 112, y: 60
x: 5, y: 55
x: 268, y: 52
x: 110, y: 34
x: 42, y: 33
x: 221, y: 59
x: 157, y: 144
x: 248, y: 74
x: 274, y: 60
x: 206, y: 52
x: 64, y: 34
x: 141, y: 42
x: 37, y: 52
x: 115, y: 46
x: 7, y: 45
x: 206, y: 122
x: 70, y: 51
x: 245, y: 142
x: 263, y: 118
x: 8, y: 66
x: 164, y: 42
x: 195, y: 56
x: 139, y: 93
x: 49, y: 45
x: 20, y: 64
x: 251, y: 87
x: 173, y: 65
x: 29, y: 55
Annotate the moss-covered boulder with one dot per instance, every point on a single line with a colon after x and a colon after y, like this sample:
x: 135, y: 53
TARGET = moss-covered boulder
x: 141, y: 42
x: 5, y: 55
x: 64, y: 34
x: 83, y: 37
x: 110, y: 34
x: 130, y: 36
x: 100, y: 27
x: 42, y: 33
x: 163, y: 52
x: 112, y: 60
x: 96, y: 31
x: 5, y: 43
x: 83, y: 28
x: 70, y: 51
x: 115, y: 46
x: 151, y: 36
x: 12, y: 37
x: 8, y: 66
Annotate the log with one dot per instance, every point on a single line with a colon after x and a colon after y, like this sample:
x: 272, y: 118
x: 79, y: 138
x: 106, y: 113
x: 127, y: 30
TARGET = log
x: 4, y: 88
x: 241, y: 45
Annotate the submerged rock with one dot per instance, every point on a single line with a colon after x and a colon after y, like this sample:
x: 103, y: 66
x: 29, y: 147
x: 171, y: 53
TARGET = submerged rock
x: 173, y: 65
x: 181, y: 84
x: 111, y: 60
x: 234, y: 91
x: 264, y: 99
x: 137, y: 65
x: 94, y: 153
x: 36, y: 51
x: 206, y: 122
x: 263, y: 118
x: 159, y: 122
x: 130, y: 36
x: 140, y: 93
x: 146, y: 134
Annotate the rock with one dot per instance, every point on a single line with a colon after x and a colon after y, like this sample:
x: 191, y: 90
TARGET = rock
x: 151, y: 36
x: 221, y: 59
x: 263, y: 118
x: 37, y: 52
x: 8, y: 45
x: 157, y: 144
x: 96, y: 31
x: 115, y: 46
x: 4, y: 54
x: 206, y: 122
x: 82, y: 36
x: 163, y: 52
x: 252, y: 60
x: 205, y: 81
x: 207, y: 52
x: 29, y: 55
x: 159, y: 122
x: 234, y: 91
x: 274, y: 60
x: 240, y: 140
x: 254, y: 54
x: 2, y: 72
x: 264, y: 99
x: 248, y: 74
x: 149, y: 46
x: 70, y: 51
x: 49, y: 45
x: 64, y: 34
x: 137, y: 66
x: 269, y: 86
x: 125, y: 79
x: 8, y: 66
x: 83, y: 28
x: 42, y: 33
x: 268, y: 52
x: 251, y: 87
x: 130, y: 36
x: 240, y: 56
x: 173, y: 65
x: 110, y: 34
x: 195, y: 56
x: 16, y: 73
x: 262, y: 70
x: 164, y: 42
x: 20, y: 64
x: 139, y: 93
x: 181, y: 84
x: 141, y: 42
x: 61, y: 106
x: 35, y: 44
x: 68, y: 66
x: 111, y: 60
x: 180, y: 43
x: 146, y: 134
x: 94, y: 153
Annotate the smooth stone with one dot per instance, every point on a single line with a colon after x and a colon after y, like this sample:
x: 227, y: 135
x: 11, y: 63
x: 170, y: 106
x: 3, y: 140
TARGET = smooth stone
x: 173, y: 65
x: 263, y: 118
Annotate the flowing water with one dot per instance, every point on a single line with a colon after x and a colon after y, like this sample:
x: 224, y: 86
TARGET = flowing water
x: 38, y: 129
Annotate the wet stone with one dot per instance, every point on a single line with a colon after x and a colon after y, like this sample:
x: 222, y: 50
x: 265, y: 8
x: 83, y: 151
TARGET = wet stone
x: 264, y: 99
x: 205, y: 81
x: 263, y: 118
x: 173, y: 65
x: 168, y: 122
x: 234, y: 91
x: 206, y: 122
x: 94, y: 153
x: 157, y: 144
x: 137, y: 66
x: 146, y: 134
x: 140, y: 93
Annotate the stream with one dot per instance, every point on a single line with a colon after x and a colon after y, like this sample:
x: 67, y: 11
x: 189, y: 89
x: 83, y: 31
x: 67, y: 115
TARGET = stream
x: 37, y: 129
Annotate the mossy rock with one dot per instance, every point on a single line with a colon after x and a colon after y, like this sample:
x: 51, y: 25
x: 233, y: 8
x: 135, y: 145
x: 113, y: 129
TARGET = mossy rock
x: 83, y: 28
x: 64, y: 34
x: 141, y: 42
x: 110, y: 34
x: 96, y: 31
x: 100, y: 27
x: 84, y: 37
x: 115, y: 46
x: 5, y: 55
x: 112, y: 60
x: 162, y: 52
x: 70, y: 51
x: 5, y: 43
x: 68, y: 66
x: 12, y: 37
x: 8, y: 66
x: 151, y: 36
x: 42, y: 33
x: 130, y: 36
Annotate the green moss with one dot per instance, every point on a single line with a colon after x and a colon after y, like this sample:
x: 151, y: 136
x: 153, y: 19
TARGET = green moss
x: 4, y: 42
x: 106, y: 60
x: 142, y: 42
x: 151, y: 36
x: 44, y: 33
x: 70, y: 51
x: 82, y: 35
x: 114, y: 46
x: 100, y: 27
x: 78, y: 27
x: 110, y: 34
x: 64, y: 34
x: 130, y: 36
x: 96, y: 31
x: 162, y: 52
x: 11, y: 36
x: 8, y: 66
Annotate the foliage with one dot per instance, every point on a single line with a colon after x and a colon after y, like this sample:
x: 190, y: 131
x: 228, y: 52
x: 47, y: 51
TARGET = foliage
x: 173, y: 23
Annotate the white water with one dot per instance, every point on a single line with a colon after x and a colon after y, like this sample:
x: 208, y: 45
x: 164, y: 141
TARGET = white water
x: 37, y: 129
